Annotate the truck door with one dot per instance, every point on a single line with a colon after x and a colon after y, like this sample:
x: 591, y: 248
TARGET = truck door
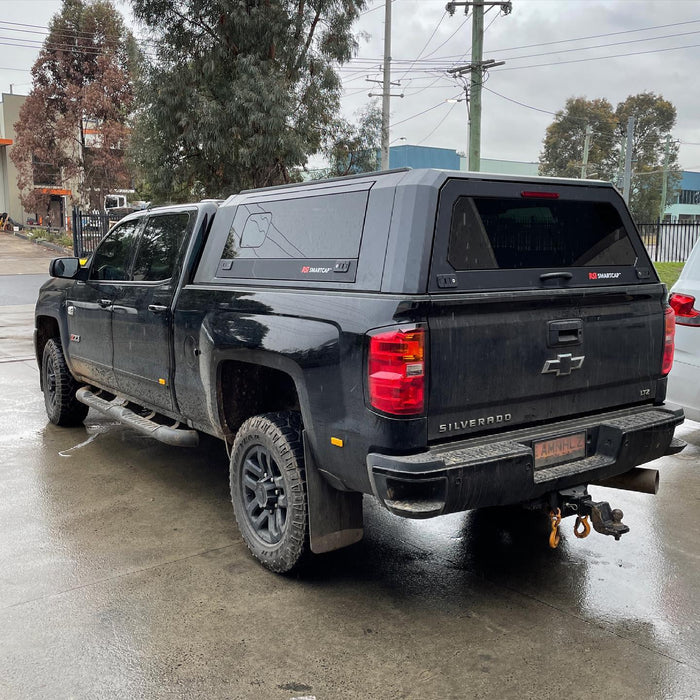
x: 89, y: 305
x: 142, y: 311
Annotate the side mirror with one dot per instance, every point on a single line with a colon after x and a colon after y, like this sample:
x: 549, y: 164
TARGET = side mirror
x: 67, y: 268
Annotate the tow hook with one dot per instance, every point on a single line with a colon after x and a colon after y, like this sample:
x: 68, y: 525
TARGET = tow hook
x: 578, y: 502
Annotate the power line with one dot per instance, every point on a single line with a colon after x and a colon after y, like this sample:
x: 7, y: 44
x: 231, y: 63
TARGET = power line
x: 432, y: 53
x: 438, y: 125
x: 45, y: 30
x: 600, y: 46
x: 425, y: 111
x: 378, y: 7
x: 598, y: 36
x: 522, y: 104
x: 600, y: 58
x: 599, y: 134
x: 425, y: 46
x: 560, y: 41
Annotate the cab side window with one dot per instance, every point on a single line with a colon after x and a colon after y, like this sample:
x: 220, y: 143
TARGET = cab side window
x: 112, y: 258
x: 160, y: 244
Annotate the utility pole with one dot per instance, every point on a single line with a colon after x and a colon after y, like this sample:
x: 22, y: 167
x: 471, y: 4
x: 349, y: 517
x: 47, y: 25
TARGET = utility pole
x: 476, y: 78
x: 473, y: 133
x: 476, y: 70
x: 628, y: 161
x: 620, y: 167
x: 386, y: 87
x: 586, y: 146
x: 664, y: 182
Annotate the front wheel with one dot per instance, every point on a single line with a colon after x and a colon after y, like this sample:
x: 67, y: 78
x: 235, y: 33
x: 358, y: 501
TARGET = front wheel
x: 60, y: 386
x: 268, y: 489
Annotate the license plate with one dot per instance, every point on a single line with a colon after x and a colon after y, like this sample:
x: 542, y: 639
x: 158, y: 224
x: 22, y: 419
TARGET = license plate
x: 560, y: 449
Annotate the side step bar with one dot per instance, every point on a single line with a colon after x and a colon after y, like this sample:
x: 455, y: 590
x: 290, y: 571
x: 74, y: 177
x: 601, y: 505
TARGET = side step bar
x: 170, y: 435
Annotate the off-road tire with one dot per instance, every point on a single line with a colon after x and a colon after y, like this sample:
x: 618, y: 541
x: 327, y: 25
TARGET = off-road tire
x: 59, y: 387
x: 268, y: 489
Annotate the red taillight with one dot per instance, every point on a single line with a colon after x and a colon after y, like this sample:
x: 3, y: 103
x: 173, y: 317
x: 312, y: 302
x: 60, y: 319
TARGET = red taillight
x: 683, y: 305
x: 669, y: 333
x: 396, y: 368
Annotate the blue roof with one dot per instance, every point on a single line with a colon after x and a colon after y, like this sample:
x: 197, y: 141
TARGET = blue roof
x: 690, y: 180
x: 423, y: 157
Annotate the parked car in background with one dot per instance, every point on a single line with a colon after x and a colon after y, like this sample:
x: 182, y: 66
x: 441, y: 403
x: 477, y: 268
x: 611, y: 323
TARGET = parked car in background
x: 684, y: 380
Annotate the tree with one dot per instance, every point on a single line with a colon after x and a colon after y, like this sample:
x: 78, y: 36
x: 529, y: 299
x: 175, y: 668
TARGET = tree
x: 72, y: 129
x: 562, y: 152
x: 239, y: 93
x: 354, y: 148
x: 654, y: 118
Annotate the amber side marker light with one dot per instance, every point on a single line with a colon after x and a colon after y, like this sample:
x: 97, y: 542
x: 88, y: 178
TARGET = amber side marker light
x: 540, y: 195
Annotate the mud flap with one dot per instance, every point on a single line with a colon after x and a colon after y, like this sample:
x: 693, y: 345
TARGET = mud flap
x: 335, y: 517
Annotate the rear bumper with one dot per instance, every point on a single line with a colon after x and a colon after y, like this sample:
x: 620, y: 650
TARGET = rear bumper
x: 500, y: 469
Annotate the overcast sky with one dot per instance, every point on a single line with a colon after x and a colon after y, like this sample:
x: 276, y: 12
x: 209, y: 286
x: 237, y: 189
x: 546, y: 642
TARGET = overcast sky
x: 548, y: 46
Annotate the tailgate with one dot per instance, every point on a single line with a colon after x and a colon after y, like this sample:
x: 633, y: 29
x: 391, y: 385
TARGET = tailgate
x: 544, y: 306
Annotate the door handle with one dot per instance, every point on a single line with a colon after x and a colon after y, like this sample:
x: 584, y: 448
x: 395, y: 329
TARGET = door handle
x: 566, y: 332
x: 104, y: 303
x: 157, y: 308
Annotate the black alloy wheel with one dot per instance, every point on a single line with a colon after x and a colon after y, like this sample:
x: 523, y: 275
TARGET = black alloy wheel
x: 59, y: 387
x: 264, y: 495
x: 268, y: 489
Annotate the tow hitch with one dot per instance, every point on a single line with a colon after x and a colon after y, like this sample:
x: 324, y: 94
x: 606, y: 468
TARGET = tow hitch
x: 578, y: 502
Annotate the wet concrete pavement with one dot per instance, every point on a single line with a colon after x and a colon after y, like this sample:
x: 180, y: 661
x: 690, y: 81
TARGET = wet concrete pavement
x: 122, y: 575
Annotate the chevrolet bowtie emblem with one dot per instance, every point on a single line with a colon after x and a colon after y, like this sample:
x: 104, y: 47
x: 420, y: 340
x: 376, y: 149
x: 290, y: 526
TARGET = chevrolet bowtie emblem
x: 563, y: 365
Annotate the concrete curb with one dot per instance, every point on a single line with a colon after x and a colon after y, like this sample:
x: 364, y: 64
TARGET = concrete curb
x: 43, y: 243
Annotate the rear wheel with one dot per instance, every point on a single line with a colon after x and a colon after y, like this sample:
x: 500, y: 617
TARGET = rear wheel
x: 268, y: 489
x: 59, y: 387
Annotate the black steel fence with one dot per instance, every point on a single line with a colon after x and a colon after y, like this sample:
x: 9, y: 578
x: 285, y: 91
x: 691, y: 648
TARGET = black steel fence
x: 669, y: 242
x: 88, y: 231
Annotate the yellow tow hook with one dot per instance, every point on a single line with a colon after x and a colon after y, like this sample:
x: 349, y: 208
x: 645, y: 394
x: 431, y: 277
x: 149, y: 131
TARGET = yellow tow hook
x: 555, y: 517
x: 582, y: 521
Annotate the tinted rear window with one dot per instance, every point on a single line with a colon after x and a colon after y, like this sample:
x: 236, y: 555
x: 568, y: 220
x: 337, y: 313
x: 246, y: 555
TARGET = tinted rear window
x: 489, y: 233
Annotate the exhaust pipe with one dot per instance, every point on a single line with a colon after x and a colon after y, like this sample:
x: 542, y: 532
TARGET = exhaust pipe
x: 637, y: 479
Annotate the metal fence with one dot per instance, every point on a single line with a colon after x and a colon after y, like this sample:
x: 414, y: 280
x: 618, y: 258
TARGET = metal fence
x: 669, y: 242
x: 88, y: 231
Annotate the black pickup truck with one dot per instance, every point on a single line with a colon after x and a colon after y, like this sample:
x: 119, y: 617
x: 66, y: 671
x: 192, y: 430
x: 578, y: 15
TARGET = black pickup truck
x: 442, y: 341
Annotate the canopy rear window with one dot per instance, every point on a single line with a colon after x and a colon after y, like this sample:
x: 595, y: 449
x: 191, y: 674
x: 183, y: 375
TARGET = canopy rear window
x: 490, y: 233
